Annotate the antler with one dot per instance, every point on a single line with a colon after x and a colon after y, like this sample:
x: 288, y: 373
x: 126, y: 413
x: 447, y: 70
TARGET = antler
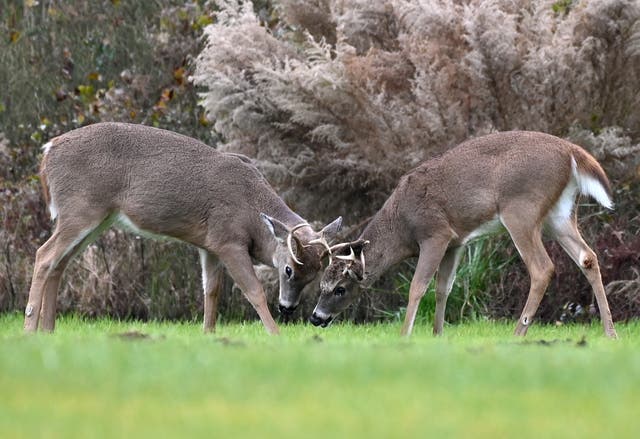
x: 352, y: 256
x: 290, y: 239
x: 340, y: 246
x: 322, y: 241
x: 362, y: 259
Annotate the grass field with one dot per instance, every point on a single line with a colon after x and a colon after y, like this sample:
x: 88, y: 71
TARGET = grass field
x: 122, y: 379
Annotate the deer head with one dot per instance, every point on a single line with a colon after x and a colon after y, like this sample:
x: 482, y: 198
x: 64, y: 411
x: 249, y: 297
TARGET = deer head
x: 340, y: 284
x: 298, y: 257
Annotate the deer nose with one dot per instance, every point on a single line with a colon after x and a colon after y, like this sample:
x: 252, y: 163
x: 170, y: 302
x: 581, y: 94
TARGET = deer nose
x: 316, y: 320
x: 286, y: 310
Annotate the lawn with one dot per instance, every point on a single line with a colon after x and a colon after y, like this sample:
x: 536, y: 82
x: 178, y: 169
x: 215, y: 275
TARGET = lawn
x: 102, y: 378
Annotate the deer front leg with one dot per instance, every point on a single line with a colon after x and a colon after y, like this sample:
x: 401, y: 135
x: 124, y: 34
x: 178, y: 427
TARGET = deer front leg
x: 446, y: 275
x: 239, y: 265
x: 212, y: 284
x: 431, y: 252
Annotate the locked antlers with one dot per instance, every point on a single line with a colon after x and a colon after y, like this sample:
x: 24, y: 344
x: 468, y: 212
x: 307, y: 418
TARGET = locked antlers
x: 284, y: 233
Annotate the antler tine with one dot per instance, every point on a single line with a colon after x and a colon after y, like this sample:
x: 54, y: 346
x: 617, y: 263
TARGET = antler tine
x: 290, y: 247
x: 350, y: 257
x: 340, y: 246
x: 290, y: 239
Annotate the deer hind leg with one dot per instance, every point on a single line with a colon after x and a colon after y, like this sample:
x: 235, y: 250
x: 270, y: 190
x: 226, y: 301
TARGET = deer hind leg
x: 566, y: 233
x: 240, y: 268
x: 431, y: 253
x: 212, y: 284
x: 50, y: 294
x: 445, y: 278
x: 68, y: 238
x: 527, y: 238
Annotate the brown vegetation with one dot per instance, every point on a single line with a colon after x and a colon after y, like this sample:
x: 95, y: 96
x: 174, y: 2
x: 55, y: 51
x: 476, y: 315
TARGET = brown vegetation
x: 343, y: 97
x: 335, y: 99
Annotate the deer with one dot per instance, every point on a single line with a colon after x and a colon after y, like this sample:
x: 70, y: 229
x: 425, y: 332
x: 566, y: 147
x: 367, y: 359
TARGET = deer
x: 524, y: 182
x: 158, y: 183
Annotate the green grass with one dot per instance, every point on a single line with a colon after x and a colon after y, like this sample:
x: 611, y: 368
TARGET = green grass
x: 347, y: 381
x: 481, y: 266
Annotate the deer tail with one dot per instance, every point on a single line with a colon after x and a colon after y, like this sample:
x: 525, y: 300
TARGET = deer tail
x: 590, y: 177
x: 46, y: 193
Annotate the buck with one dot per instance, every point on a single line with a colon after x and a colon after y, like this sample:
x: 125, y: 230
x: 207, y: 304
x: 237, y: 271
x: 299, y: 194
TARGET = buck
x: 519, y: 181
x: 161, y: 183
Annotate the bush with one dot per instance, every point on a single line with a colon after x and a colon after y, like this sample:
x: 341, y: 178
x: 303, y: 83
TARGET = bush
x: 405, y: 81
x: 337, y: 99
x: 68, y: 64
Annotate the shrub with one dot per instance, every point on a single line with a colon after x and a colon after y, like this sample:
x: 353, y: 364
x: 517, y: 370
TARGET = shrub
x: 405, y: 81
x: 68, y: 64
x: 337, y: 99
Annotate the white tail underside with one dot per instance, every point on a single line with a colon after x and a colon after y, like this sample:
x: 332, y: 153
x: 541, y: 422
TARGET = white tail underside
x: 46, y: 147
x: 591, y: 186
x: 53, y: 210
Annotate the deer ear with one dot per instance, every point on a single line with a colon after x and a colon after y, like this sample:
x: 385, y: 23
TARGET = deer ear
x: 277, y: 229
x: 331, y: 230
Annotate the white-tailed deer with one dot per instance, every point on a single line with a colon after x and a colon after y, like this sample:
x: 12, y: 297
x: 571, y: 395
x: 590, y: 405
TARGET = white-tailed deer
x: 523, y: 181
x: 162, y: 183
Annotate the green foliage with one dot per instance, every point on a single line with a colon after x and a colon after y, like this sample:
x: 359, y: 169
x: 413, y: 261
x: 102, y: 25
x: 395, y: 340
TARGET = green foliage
x: 485, y: 262
x: 562, y: 7
x: 68, y: 64
x: 103, y: 378
x: 480, y: 270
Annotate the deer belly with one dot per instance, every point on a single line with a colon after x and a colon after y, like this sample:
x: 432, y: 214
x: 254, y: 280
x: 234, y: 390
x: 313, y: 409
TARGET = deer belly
x: 182, y: 232
x: 488, y: 228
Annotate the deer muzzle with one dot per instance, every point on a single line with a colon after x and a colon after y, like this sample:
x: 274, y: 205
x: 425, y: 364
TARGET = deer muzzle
x: 286, y: 310
x: 317, y: 320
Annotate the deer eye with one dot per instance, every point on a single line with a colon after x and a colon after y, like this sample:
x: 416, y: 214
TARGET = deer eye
x: 339, y: 291
x: 288, y: 271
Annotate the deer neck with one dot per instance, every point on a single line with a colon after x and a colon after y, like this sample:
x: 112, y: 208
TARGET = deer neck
x: 387, y: 245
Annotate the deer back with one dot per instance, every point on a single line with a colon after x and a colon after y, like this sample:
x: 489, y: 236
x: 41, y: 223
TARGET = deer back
x: 470, y: 184
x: 163, y: 182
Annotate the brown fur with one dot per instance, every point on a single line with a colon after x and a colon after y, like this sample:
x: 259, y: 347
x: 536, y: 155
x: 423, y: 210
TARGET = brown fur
x: 171, y: 185
x: 515, y: 177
